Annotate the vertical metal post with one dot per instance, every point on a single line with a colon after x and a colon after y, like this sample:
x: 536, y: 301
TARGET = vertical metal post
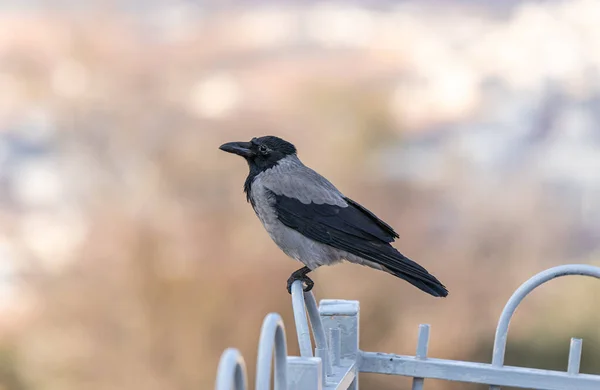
x: 422, y: 345
x: 574, y: 356
x: 322, y: 354
x: 343, y: 315
x: 335, y: 346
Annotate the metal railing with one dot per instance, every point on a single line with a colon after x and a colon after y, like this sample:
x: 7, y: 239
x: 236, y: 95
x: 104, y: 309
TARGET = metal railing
x: 337, y: 359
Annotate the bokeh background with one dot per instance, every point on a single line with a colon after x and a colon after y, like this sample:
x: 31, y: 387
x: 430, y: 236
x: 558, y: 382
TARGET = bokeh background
x: 129, y: 258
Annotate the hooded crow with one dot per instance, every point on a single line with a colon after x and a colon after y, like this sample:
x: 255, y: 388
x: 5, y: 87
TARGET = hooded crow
x: 313, y: 222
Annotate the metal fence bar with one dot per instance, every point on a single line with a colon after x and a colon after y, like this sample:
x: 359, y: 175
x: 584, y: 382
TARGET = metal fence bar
x: 471, y: 372
x: 304, y: 373
x: 422, y: 345
x: 319, y: 334
x: 302, y: 329
x: 574, y: 356
x: 339, y: 359
x: 343, y: 317
x: 315, y: 320
x: 232, y: 371
x: 272, y: 337
x: 521, y: 293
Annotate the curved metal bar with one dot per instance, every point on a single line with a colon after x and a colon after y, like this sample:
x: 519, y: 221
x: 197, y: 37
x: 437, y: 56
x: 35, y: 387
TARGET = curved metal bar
x: 321, y: 349
x: 315, y: 320
x: 522, y: 292
x: 302, y: 328
x: 272, y: 336
x: 318, y: 331
x: 231, y: 371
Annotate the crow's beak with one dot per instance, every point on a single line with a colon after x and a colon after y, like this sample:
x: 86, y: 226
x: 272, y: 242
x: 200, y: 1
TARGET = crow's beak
x: 239, y: 148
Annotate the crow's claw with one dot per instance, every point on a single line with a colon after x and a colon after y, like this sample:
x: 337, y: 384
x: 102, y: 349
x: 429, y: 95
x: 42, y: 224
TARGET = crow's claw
x: 300, y: 275
x: 308, y: 283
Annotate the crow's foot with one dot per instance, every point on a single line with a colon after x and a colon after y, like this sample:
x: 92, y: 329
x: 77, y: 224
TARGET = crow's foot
x: 300, y: 275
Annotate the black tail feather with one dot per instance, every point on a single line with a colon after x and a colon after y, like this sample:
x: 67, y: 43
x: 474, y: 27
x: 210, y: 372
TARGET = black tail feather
x: 404, y: 268
x: 430, y: 285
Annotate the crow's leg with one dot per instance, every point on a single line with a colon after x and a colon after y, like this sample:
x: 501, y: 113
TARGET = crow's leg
x: 300, y: 275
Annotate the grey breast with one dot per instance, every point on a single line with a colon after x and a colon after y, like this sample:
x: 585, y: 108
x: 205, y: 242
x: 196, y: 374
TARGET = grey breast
x: 293, y: 179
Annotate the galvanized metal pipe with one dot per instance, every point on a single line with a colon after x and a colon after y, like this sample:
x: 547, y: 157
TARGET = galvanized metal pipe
x: 342, y: 359
x: 232, y: 371
x: 302, y: 329
x: 318, y: 331
x: 574, y: 356
x: 481, y: 373
x: 518, y: 296
x: 422, y: 345
x: 272, y: 337
x: 315, y: 320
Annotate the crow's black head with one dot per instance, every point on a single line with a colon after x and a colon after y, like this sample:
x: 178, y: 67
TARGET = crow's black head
x: 261, y: 153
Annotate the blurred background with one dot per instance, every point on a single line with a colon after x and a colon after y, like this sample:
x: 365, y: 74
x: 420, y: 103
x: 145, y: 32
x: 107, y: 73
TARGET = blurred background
x: 129, y: 257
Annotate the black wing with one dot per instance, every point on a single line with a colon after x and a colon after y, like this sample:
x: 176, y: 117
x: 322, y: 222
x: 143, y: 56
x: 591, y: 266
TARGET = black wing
x: 358, y: 231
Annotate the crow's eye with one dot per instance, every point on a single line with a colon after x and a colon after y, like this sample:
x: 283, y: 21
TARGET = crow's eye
x: 263, y: 149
